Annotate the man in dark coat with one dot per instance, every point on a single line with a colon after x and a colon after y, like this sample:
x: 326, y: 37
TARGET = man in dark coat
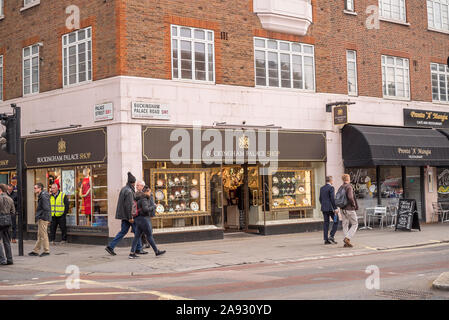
x: 13, y: 195
x: 43, y: 218
x: 125, y: 204
x: 6, y: 208
x: 329, y: 209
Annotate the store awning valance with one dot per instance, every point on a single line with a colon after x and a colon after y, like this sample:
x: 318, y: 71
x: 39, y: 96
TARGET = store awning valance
x: 368, y: 146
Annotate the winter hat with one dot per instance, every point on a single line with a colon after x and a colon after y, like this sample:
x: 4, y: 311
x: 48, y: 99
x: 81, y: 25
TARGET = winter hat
x: 131, y: 178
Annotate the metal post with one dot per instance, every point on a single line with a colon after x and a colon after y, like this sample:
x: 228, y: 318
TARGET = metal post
x: 17, y: 113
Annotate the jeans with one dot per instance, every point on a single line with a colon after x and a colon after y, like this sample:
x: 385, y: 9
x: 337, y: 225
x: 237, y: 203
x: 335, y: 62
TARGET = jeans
x: 61, y: 221
x: 327, y: 215
x: 125, y: 228
x: 5, y: 237
x: 143, y: 226
x: 14, y: 226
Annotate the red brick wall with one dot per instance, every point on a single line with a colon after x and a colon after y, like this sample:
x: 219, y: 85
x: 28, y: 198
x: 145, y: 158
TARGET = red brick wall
x: 46, y: 23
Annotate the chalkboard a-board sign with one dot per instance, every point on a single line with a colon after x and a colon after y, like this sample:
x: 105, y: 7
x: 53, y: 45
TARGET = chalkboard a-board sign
x: 407, y: 218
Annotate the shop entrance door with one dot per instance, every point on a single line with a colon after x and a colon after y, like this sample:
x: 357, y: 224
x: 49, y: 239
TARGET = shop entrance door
x: 240, y: 196
x: 413, y: 187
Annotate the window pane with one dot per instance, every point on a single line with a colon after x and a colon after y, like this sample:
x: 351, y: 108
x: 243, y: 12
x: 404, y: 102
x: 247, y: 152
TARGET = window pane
x: 200, y: 34
x: 259, y: 43
x: 72, y: 37
x: 210, y: 49
x: 200, y: 61
x: 273, y: 76
x: 35, y: 49
x: 175, y: 58
x: 186, y: 60
x: 297, y: 72
x: 174, y: 31
x: 285, y: 71
x: 260, y: 69
x: 272, y: 44
x: 308, y: 73
x: 26, y: 52
x: 185, y: 32
x: 285, y: 46
x: 308, y: 49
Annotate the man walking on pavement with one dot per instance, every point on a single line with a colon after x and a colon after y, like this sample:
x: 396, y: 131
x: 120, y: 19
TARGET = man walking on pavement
x: 126, y: 202
x: 7, y: 211
x: 43, y: 218
x: 349, y: 215
x: 13, y: 195
x: 59, y: 203
x: 329, y: 209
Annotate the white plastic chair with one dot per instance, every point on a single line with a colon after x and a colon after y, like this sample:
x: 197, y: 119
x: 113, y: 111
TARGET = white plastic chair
x: 380, y: 213
x: 439, y: 211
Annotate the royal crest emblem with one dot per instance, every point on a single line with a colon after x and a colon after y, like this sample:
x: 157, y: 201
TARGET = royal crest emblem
x: 244, y: 142
x: 62, y: 146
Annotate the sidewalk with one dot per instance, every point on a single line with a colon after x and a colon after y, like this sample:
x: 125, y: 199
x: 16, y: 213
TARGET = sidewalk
x: 235, y: 249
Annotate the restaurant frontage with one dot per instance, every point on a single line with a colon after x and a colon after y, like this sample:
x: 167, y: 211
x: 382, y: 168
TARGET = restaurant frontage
x: 211, y: 180
x: 389, y: 163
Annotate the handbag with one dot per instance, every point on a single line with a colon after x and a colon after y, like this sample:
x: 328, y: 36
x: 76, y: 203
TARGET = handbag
x: 5, y: 220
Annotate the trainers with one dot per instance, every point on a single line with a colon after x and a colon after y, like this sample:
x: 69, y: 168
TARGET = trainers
x: 141, y: 252
x: 133, y: 256
x: 327, y: 242
x: 160, y: 252
x: 43, y: 254
x: 33, y: 254
x: 348, y: 245
x: 110, y: 251
x: 332, y: 240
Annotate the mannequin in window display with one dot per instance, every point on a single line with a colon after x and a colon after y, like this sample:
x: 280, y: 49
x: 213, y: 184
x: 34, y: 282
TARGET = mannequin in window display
x: 86, y: 194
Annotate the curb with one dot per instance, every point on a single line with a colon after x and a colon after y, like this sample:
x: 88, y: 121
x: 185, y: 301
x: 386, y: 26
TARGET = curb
x: 414, y: 245
x: 442, y: 282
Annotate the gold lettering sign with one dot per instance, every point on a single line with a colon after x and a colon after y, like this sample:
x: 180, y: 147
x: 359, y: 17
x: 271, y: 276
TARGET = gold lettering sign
x: 420, y: 115
x: 62, y: 146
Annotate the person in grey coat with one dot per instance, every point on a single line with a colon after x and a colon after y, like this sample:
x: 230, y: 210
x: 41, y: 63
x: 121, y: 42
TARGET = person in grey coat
x: 43, y: 219
x: 125, y: 204
x: 6, y: 208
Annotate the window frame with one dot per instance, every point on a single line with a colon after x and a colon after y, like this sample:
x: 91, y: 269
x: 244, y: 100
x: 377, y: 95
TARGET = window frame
x: 439, y: 73
x: 382, y: 3
x: 1, y: 77
x: 356, y: 93
x: 178, y: 38
x: 76, y: 43
x: 30, y: 57
x: 385, y: 77
x: 432, y: 14
x: 291, y: 53
x: 351, y: 2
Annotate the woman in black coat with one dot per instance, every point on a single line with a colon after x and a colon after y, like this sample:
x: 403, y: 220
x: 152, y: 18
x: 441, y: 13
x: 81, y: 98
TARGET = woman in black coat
x: 145, y: 209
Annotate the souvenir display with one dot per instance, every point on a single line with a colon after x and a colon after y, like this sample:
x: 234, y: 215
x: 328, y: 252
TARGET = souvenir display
x: 292, y: 188
x: 180, y: 192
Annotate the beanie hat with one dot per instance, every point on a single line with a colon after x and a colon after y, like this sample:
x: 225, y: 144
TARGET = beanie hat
x: 131, y: 178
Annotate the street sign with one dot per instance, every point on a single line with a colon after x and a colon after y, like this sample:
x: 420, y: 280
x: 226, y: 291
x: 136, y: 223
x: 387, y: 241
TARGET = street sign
x: 407, y: 216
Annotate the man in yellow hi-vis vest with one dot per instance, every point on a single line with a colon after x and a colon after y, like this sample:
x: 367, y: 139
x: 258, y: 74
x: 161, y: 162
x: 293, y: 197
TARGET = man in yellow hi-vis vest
x: 59, y: 204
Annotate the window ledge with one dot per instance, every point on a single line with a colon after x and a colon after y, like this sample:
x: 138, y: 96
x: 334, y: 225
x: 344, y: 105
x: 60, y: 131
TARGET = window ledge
x: 440, y: 102
x: 2, y: 17
x: 396, y: 98
x: 395, y: 21
x: 352, y: 13
x: 438, y: 30
x: 30, y: 5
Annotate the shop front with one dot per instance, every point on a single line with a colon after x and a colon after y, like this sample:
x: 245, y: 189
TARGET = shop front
x: 77, y: 163
x: 8, y: 164
x: 389, y: 163
x: 233, y: 179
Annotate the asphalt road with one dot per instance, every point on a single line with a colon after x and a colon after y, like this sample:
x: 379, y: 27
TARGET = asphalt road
x: 405, y: 273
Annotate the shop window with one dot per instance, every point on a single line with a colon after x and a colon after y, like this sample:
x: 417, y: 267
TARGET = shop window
x: 443, y: 184
x: 391, y: 185
x: 363, y: 181
x: 86, y: 189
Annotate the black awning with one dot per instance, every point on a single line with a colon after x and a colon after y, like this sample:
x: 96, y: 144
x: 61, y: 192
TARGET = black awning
x: 368, y: 146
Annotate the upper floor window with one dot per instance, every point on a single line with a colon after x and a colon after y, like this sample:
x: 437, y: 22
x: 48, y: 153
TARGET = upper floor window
x: 193, y: 55
x: 349, y: 5
x: 27, y: 3
x: 395, y: 77
x: 284, y: 64
x: 31, y: 69
x: 351, y: 60
x: 1, y: 78
x: 438, y: 14
x: 77, y: 56
x: 440, y: 82
x: 1, y: 8
x: 392, y: 9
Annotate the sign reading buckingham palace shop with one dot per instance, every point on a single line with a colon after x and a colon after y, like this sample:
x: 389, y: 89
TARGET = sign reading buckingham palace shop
x: 71, y: 148
x: 144, y: 110
x: 426, y: 118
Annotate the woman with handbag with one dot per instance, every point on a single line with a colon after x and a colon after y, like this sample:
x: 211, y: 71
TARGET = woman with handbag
x: 145, y: 210
x: 7, y: 209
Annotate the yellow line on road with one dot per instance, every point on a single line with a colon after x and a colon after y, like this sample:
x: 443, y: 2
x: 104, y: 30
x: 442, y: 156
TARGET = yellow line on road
x: 30, y: 284
x: 156, y: 293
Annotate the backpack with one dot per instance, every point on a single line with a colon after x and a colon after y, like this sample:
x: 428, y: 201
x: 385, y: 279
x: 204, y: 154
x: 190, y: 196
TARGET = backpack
x: 341, y: 200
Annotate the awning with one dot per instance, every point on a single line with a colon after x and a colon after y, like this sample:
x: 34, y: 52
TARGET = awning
x: 369, y: 146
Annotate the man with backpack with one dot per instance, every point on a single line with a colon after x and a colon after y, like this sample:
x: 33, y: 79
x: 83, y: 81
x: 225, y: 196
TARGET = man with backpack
x: 345, y: 200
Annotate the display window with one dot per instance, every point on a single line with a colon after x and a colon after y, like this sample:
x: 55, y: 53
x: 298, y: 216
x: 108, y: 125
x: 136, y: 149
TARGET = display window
x: 364, y: 183
x: 86, y: 189
x: 291, y: 188
x: 9, y: 177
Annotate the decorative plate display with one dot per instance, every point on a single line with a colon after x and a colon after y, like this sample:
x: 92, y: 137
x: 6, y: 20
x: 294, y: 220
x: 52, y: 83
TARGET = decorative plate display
x: 289, y: 201
x: 301, y: 189
x: 160, y: 208
x: 305, y: 201
x: 178, y: 207
x: 288, y: 180
x: 160, y: 183
x: 275, y: 204
x: 284, y: 180
x: 183, y: 206
x: 194, y: 206
x: 372, y: 188
x: 171, y: 183
x: 194, y: 182
x: 293, y: 180
x: 183, y: 179
x: 194, y: 193
x: 171, y: 210
x: 159, y: 195
x: 183, y: 192
x: 177, y: 194
x: 275, y: 180
x: 177, y: 181
x: 275, y: 191
x: 172, y: 197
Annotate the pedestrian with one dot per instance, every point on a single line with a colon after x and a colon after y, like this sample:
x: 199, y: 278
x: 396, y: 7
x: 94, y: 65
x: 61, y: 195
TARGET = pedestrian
x: 125, y: 205
x: 329, y: 209
x: 145, y: 210
x: 13, y: 195
x: 348, y: 214
x: 43, y: 218
x: 7, y: 210
x: 139, y: 187
x: 59, y: 203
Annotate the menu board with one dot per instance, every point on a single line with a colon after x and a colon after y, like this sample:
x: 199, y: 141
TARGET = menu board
x: 407, y: 218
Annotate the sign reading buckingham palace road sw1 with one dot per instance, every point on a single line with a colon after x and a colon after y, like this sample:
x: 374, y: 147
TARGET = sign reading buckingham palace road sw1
x: 68, y: 148
x: 144, y: 110
x: 103, y: 112
x: 426, y: 118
